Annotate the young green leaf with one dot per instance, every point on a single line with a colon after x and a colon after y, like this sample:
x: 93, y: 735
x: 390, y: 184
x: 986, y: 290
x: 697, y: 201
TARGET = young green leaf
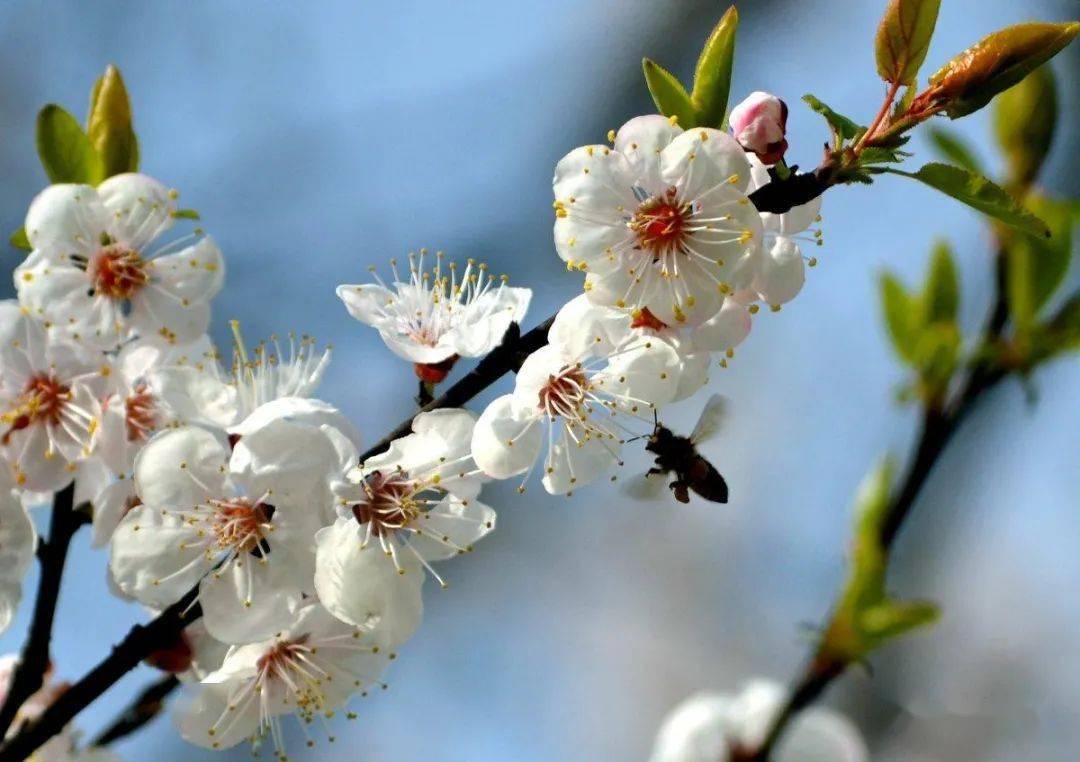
x: 1036, y: 267
x: 712, y: 76
x: 941, y: 295
x: 903, y: 37
x: 843, y: 127
x: 1024, y: 117
x: 108, y: 124
x: 996, y: 63
x: 901, y: 314
x: 184, y: 214
x: 20, y: 241
x: 979, y: 193
x: 953, y: 147
x: 64, y: 149
x: 668, y: 94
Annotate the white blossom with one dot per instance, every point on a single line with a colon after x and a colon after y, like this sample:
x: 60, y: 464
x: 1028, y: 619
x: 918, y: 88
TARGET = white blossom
x: 49, y: 401
x: 93, y: 276
x: 660, y: 220
x: 397, y: 512
x: 570, y: 398
x: 713, y: 727
x: 18, y: 541
x: 239, y: 524
x: 309, y: 670
x: 437, y: 315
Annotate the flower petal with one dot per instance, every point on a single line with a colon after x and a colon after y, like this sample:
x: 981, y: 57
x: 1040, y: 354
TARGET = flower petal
x: 66, y: 219
x: 505, y: 441
x: 250, y: 599
x: 156, y: 556
x: 195, y: 273
x: 139, y: 207
x: 180, y: 468
x: 641, y: 140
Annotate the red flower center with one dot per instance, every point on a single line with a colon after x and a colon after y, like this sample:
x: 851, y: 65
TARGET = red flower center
x: 644, y: 319
x: 42, y: 401
x: 117, y: 272
x: 660, y: 224
x: 242, y: 525
x: 564, y: 392
x: 390, y: 504
x: 139, y: 413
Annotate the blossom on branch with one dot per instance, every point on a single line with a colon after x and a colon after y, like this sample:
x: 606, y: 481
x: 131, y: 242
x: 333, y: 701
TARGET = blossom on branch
x: 715, y: 727
x: 397, y: 512
x: 18, y: 541
x: 437, y: 315
x: 93, y: 277
x: 660, y: 221
x: 760, y: 124
x: 49, y: 402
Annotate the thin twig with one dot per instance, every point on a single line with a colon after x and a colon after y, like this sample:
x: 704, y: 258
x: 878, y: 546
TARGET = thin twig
x: 34, y: 660
x: 146, y: 706
x: 937, y: 429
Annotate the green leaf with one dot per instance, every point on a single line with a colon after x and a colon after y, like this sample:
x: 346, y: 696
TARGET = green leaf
x: 941, y: 295
x: 108, y: 125
x: 866, y: 616
x: 712, y: 76
x: 1024, y: 118
x: 903, y: 37
x: 185, y: 214
x: 843, y: 127
x: 20, y: 241
x: 1036, y: 267
x: 979, y: 193
x: 64, y: 149
x: 901, y: 317
x: 997, y: 62
x: 668, y: 94
x: 879, y: 155
x: 954, y: 148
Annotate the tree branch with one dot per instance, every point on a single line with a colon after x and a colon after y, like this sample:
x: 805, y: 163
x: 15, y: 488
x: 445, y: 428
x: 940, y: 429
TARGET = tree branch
x: 937, y: 429
x: 146, y: 706
x: 139, y: 643
x: 52, y: 554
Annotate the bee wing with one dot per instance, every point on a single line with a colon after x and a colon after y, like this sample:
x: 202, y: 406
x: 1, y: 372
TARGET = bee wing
x: 644, y: 486
x: 712, y: 417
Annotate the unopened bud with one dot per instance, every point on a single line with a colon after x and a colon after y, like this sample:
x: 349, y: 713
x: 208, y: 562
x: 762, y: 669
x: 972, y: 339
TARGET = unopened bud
x: 760, y: 124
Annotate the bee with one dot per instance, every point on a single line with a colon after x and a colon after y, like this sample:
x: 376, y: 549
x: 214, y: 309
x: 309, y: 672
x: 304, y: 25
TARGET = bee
x: 678, y: 454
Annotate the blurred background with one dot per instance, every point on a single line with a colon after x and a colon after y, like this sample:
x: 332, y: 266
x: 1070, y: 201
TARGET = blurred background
x: 319, y: 138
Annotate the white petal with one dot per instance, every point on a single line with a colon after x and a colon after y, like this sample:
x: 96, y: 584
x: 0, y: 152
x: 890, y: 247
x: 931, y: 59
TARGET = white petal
x: 195, y: 395
x: 41, y: 467
x: 311, y: 412
x: 702, y: 159
x: 452, y: 527
x: 366, y: 301
x: 248, y: 599
x: 155, y: 558
x: 209, y: 709
x: 822, y: 735
x: 66, y: 219
x: 585, y: 329
x: 483, y: 323
x: 595, y: 187
x: 360, y: 585
x: 110, y: 506
x: 646, y: 371
x: 725, y: 330
x: 782, y: 272
x: 139, y: 208
x: 18, y: 540
x: 164, y: 317
x: 572, y: 464
x: 195, y: 273
x: 535, y: 371
x: 694, y: 731
x: 290, y: 457
x: 506, y: 442
x: 641, y: 140
x: 181, y: 467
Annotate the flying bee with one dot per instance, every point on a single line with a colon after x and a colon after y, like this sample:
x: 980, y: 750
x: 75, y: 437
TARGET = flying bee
x: 678, y: 454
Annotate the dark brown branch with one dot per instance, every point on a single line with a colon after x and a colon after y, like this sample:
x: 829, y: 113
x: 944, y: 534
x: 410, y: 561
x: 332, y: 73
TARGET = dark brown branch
x: 779, y: 196
x: 146, y: 706
x: 139, y: 643
x: 52, y: 553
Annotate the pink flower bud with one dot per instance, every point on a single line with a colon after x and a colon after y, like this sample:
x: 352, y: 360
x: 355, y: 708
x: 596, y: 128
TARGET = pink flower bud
x: 759, y: 124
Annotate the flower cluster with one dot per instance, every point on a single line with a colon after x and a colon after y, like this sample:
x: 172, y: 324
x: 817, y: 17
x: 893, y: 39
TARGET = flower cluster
x: 232, y: 480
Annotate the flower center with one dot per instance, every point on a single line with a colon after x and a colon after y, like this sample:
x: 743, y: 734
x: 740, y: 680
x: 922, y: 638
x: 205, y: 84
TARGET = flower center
x: 643, y: 318
x: 660, y: 224
x: 564, y: 392
x: 391, y: 502
x: 42, y: 401
x: 242, y: 525
x: 139, y: 413
x: 117, y: 272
